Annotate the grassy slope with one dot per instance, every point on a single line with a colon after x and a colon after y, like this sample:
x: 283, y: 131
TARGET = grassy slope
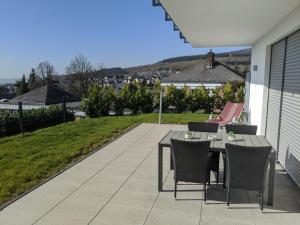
x: 26, y: 160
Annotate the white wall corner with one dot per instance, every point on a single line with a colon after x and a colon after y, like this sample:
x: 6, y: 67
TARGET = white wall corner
x: 261, y: 55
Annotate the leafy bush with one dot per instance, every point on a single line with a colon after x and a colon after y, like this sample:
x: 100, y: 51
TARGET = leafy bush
x: 207, y: 101
x: 9, y: 123
x: 156, y: 97
x: 240, y: 95
x: 177, y: 98
x: 131, y: 100
x: 228, y: 93
x: 194, y: 101
x: 217, y: 98
x: 119, y: 105
x: 199, y: 99
x: 98, y: 101
x: 140, y: 97
x: 32, y: 120
x: 145, y: 99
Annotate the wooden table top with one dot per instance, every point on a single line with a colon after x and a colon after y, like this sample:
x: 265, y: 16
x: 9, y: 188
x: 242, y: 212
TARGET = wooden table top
x: 219, y: 143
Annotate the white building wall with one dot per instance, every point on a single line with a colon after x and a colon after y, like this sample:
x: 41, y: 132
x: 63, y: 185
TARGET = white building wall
x: 194, y: 85
x: 261, y: 58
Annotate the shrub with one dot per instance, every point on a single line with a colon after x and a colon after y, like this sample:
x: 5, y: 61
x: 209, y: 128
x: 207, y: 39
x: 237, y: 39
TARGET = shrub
x: 145, y: 99
x: 119, y: 105
x: 32, y: 120
x: 194, y: 100
x: 156, y: 97
x: 240, y: 95
x: 9, y: 123
x: 207, y: 101
x: 99, y: 101
x: 200, y: 100
x: 177, y: 98
x: 217, y: 98
x: 130, y: 98
x: 228, y: 93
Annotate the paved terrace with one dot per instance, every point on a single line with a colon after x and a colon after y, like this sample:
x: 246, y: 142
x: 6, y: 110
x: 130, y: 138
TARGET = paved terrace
x: 118, y: 186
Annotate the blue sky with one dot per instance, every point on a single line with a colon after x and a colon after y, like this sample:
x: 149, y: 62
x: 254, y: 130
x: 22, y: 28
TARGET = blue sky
x: 113, y: 32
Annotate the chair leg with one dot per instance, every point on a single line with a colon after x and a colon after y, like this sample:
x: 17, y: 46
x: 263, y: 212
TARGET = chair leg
x: 171, y: 161
x: 218, y: 177
x: 204, y: 191
x: 228, y: 196
x: 208, y: 178
x: 262, y: 201
x: 224, y: 173
x: 175, y: 189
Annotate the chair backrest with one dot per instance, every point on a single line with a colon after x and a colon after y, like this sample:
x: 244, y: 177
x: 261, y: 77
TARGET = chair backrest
x: 203, y: 127
x: 247, y: 166
x: 231, y: 111
x: 226, y: 109
x: 241, y: 129
x: 190, y: 160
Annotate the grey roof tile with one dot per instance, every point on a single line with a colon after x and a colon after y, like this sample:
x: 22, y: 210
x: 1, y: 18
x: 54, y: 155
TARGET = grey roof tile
x: 47, y: 95
x: 200, y: 74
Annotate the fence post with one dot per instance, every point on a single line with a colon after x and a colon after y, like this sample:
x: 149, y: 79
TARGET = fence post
x: 20, y: 110
x: 64, y: 110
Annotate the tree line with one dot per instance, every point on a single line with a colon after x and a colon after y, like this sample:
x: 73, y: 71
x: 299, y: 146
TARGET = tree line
x: 80, y: 73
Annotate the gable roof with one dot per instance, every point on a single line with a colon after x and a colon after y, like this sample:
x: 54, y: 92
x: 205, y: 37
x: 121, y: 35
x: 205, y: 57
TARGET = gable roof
x: 49, y: 94
x: 201, y: 74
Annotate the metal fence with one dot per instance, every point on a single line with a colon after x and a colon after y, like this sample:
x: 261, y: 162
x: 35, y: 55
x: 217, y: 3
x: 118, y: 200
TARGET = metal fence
x: 20, y: 108
x: 70, y: 106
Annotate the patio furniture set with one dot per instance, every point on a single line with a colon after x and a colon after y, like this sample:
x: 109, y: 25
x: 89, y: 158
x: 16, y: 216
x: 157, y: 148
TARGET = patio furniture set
x: 246, y: 156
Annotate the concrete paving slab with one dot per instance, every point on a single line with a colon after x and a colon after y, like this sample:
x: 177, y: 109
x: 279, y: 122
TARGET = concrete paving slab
x: 118, y: 186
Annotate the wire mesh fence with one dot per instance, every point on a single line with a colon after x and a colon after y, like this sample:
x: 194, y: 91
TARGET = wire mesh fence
x: 20, y: 118
x: 71, y: 106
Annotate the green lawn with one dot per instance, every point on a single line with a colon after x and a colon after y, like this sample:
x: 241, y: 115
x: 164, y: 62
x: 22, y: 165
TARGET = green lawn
x: 27, y: 160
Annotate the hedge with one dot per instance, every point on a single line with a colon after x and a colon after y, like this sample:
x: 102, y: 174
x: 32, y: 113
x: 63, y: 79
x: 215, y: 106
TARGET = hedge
x: 139, y: 97
x: 32, y: 120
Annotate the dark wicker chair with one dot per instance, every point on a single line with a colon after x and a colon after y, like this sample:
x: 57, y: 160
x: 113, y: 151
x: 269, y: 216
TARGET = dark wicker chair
x: 237, y: 129
x: 247, y: 167
x: 241, y: 129
x: 212, y: 128
x: 190, y: 160
x: 203, y: 127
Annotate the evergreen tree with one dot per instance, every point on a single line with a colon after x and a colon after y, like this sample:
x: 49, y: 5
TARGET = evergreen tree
x: 34, y: 81
x: 22, y: 86
x: 32, y: 77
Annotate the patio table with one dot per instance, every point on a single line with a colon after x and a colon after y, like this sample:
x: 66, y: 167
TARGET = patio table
x: 218, y: 145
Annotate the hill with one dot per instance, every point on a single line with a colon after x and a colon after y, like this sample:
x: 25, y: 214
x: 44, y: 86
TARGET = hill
x: 239, y: 53
x: 236, y: 60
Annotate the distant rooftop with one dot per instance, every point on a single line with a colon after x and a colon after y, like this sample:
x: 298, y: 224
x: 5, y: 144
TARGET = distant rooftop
x: 209, y: 71
x: 47, y: 95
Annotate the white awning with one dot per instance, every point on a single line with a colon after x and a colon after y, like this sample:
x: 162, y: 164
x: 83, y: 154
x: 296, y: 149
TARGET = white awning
x: 215, y: 23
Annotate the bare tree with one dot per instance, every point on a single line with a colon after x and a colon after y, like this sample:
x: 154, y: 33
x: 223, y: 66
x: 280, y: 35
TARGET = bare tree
x: 45, y: 71
x: 80, y: 69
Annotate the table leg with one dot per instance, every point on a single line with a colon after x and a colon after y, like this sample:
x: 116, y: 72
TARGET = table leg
x: 160, y: 167
x: 271, y: 180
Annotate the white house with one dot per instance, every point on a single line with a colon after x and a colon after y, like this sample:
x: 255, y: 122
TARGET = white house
x: 272, y: 29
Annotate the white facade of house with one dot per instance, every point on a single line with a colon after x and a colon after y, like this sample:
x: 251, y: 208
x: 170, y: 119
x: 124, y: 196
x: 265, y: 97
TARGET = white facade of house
x: 261, y: 52
x: 193, y: 85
